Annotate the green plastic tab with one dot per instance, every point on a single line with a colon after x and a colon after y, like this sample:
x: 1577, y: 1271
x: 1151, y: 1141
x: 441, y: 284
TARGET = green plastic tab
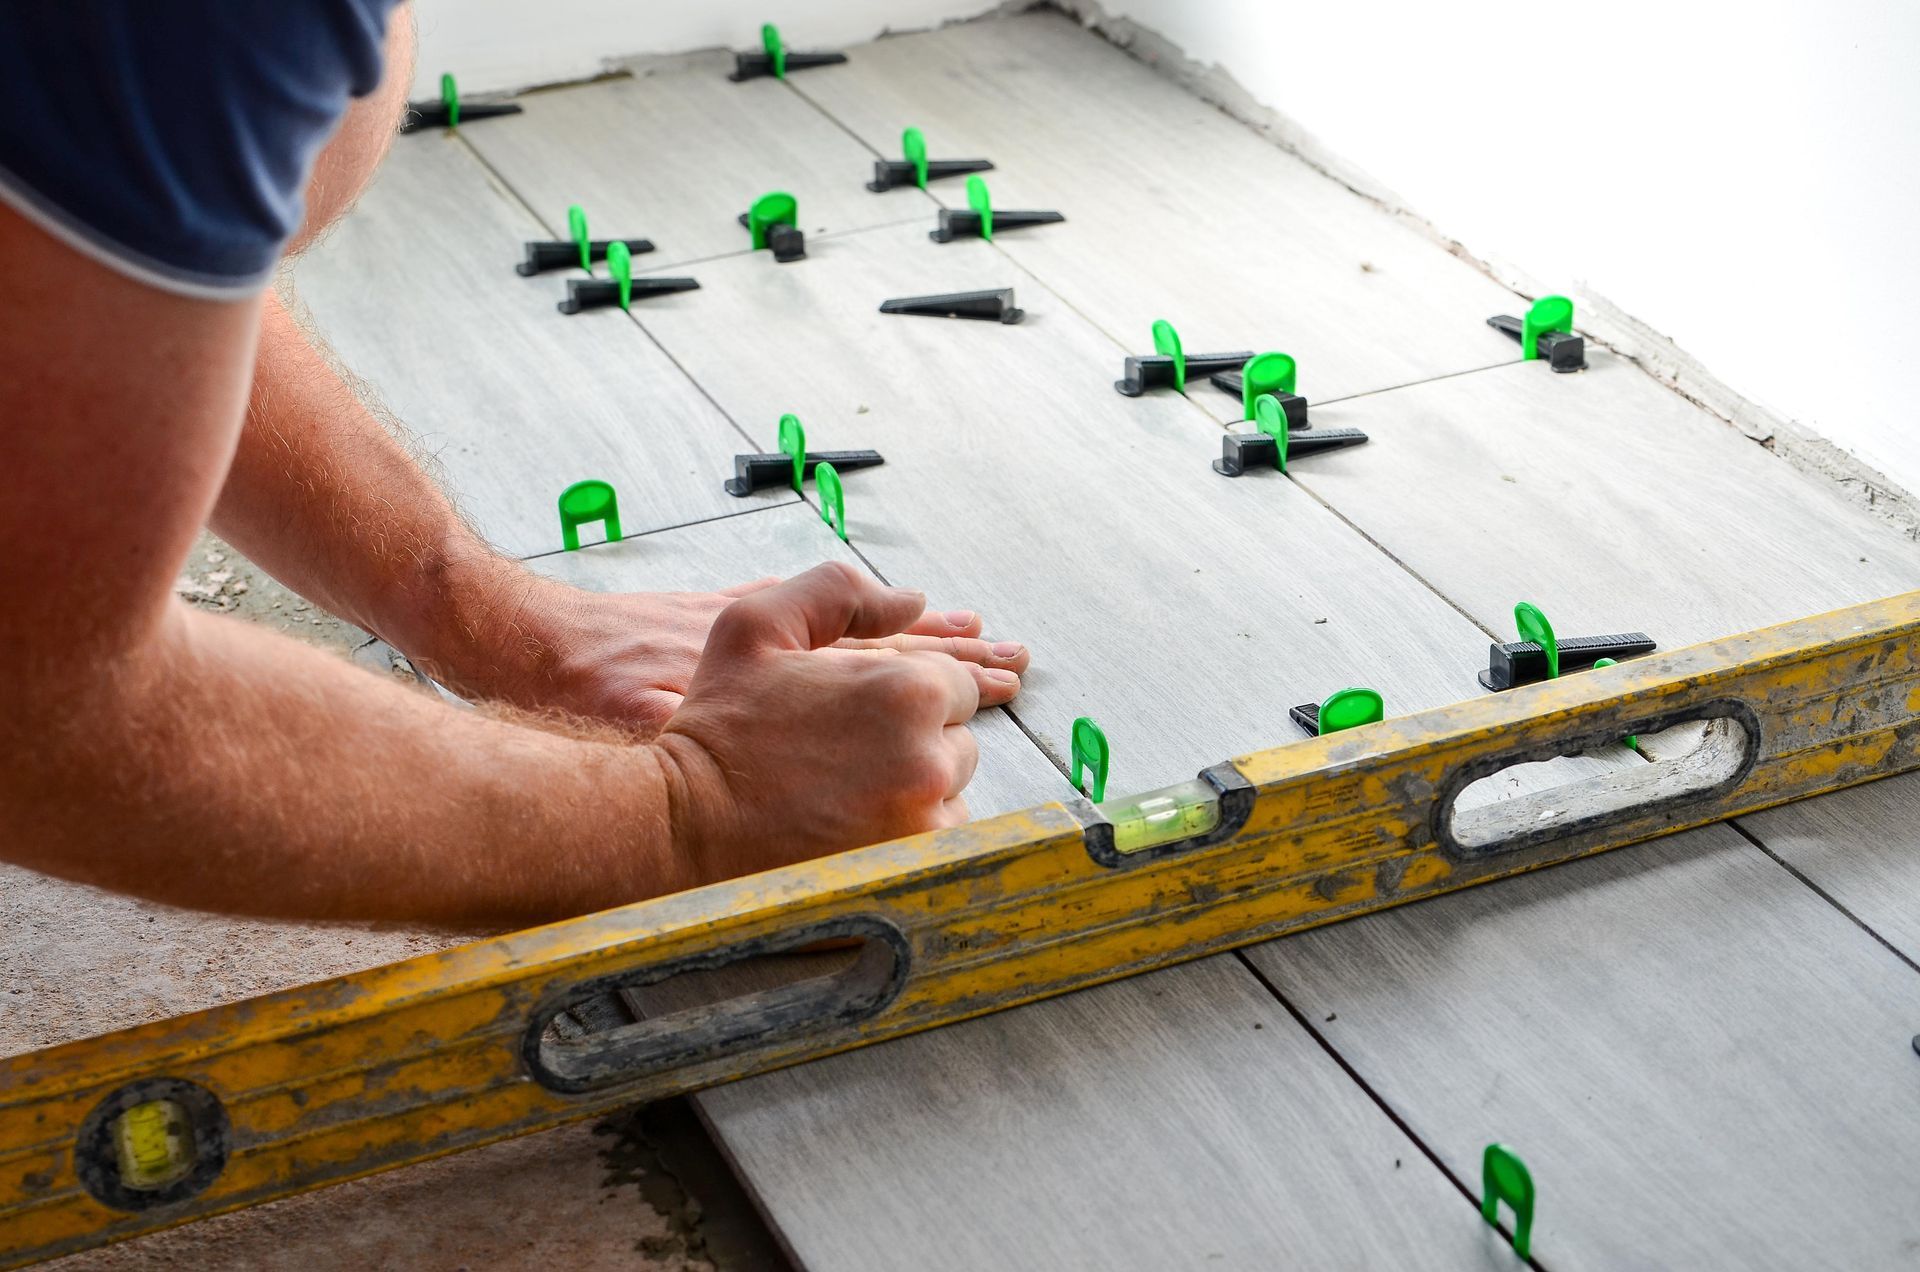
x: 1349, y: 709
x: 833, y: 499
x: 1166, y: 340
x: 793, y: 441
x: 1504, y: 1177
x: 584, y: 503
x: 577, y: 231
x: 450, y: 98
x: 777, y: 208
x: 620, y: 265
x: 1271, y: 418
x: 1549, y: 313
x: 979, y: 201
x: 776, y: 50
x: 1090, y: 752
x: 914, y: 144
x: 1598, y: 663
x: 1267, y: 373
x: 1534, y: 626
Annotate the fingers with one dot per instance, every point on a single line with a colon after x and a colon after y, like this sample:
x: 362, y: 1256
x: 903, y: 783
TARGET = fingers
x: 831, y: 601
x: 946, y: 623
x: 746, y: 589
x: 996, y: 677
x: 1007, y: 655
x: 996, y: 686
x: 960, y: 743
x: 958, y: 694
x: 953, y: 813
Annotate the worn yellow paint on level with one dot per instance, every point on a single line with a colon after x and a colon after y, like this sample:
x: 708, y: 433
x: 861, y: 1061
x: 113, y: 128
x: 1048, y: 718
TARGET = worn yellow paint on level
x: 359, y: 1074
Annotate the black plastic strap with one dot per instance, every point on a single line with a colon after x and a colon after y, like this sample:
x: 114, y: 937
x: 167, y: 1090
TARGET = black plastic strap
x: 598, y: 293
x: 1523, y: 662
x: 1242, y: 451
x: 1155, y: 370
x: 993, y: 305
x: 1562, y: 350
x: 424, y: 115
x: 965, y: 222
x: 748, y: 66
x: 763, y: 472
x: 889, y: 173
x: 546, y: 254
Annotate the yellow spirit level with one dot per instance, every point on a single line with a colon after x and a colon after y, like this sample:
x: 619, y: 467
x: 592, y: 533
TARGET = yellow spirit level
x: 172, y: 1121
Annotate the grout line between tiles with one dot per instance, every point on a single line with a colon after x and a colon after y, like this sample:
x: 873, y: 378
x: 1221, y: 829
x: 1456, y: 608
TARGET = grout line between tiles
x: 521, y: 199
x: 678, y: 525
x: 1379, y: 1101
x: 1823, y: 894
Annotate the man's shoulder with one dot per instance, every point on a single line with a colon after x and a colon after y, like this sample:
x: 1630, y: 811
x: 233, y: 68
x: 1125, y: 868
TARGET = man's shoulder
x: 172, y: 142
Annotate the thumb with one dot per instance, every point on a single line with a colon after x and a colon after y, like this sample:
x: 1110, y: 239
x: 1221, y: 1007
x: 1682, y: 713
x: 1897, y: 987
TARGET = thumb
x: 830, y: 602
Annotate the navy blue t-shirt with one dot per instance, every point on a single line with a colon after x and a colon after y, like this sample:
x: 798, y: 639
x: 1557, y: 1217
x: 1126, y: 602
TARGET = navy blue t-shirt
x: 172, y: 139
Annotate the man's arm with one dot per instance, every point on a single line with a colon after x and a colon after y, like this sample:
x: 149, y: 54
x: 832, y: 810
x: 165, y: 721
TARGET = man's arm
x: 324, y: 496
x: 327, y: 498
x: 184, y: 757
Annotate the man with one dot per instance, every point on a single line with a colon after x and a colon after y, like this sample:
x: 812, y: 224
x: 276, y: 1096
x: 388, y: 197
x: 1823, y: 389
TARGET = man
x: 152, y: 170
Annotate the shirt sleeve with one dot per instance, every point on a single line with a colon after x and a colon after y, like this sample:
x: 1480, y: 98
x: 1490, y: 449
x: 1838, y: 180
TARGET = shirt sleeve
x: 172, y: 141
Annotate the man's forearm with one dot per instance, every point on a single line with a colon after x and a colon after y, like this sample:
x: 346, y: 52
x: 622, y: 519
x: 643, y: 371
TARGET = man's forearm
x: 327, y: 497
x: 220, y: 766
x: 323, y: 496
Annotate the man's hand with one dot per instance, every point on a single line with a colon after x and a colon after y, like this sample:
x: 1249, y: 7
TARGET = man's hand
x: 787, y: 747
x: 629, y: 658
x: 328, y: 502
x: 324, y: 498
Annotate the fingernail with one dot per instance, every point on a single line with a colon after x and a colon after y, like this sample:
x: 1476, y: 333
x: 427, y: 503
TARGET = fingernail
x: 1007, y: 648
x: 1000, y: 677
x: 959, y: 618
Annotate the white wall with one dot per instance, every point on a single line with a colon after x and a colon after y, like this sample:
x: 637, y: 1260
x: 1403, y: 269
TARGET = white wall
x: 506, y: 44
x: 1745, y: 179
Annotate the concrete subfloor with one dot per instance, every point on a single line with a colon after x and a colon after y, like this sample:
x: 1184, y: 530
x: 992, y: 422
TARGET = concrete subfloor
x: 220, y: 580
x: 540, y: 1201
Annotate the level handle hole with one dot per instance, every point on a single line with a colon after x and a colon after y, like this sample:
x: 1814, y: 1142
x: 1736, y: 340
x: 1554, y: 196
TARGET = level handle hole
x: 712, y: 1005
x: 1724, y: 745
